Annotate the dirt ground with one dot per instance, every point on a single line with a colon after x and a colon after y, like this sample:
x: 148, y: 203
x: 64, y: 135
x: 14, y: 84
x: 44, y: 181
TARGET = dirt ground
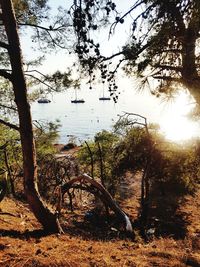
x: 96, y: 242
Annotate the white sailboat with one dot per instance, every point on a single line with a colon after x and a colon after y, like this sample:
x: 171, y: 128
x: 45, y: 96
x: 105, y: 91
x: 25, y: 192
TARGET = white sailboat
x: 76, y: 100
x: 103, y: 98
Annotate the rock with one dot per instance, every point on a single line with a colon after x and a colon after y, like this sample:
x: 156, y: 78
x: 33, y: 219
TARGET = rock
x: 69, y: 146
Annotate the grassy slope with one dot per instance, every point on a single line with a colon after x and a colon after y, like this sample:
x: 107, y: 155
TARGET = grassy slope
x: 23, y: 244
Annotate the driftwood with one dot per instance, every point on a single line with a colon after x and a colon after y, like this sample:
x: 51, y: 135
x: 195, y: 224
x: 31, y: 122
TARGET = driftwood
x: 85, y: 182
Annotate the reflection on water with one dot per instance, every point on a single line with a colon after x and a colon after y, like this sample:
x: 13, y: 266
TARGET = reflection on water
x: 83, y: 120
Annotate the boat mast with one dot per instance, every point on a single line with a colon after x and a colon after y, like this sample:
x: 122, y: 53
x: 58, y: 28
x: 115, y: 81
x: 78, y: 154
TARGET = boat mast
x: 75, y: 93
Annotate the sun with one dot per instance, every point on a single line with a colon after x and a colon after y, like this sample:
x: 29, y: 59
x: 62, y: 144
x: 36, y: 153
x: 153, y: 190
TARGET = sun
x: 176, y: 125
x: 179, y: 129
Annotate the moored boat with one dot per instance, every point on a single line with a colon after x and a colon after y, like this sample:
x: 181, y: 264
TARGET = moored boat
x: 43, y: 100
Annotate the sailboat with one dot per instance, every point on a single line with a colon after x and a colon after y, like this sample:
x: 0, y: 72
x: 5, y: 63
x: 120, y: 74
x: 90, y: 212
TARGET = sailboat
x: 104, y: 97
x: 43, y: 100
x: 76, y: 100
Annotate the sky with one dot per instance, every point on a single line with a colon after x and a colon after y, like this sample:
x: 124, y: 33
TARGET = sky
x: 172, y: 116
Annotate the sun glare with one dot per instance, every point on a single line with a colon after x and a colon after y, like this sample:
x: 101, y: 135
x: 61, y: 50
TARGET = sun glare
x: 176, y: 126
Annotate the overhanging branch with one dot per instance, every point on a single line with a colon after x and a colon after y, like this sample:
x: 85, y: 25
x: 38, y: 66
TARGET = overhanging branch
x: 50, y: 29
x: 10, y: 125
x: 168, y: 78
x: 36, y: 78
x: 168, y: 67
x: 4, y: 45
x: 7, y: 107
x: 138, y: 3
x: 112, y: 56
x: 5, y: 74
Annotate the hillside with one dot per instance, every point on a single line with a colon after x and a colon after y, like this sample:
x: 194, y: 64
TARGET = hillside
x: 23, y: 243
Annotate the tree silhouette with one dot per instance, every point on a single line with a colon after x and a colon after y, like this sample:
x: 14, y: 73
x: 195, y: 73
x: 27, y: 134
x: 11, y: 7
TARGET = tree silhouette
x: 162, y: 46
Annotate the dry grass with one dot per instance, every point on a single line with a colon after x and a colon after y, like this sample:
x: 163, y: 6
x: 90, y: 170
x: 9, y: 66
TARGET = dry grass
x: 23, y: 244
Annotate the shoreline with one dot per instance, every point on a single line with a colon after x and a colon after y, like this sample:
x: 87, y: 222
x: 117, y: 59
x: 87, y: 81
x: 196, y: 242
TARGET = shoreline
x: 66, y: 149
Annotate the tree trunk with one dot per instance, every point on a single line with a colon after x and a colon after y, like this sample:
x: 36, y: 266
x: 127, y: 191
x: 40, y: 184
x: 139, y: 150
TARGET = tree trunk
x: 42, y: 213
x: 189, y: 73
x: 101, y: 192
x: 10, y: 176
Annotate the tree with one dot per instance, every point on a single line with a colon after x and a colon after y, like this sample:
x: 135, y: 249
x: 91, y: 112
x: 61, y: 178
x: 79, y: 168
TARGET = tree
x: 16, y: 77
x: 163, y: 43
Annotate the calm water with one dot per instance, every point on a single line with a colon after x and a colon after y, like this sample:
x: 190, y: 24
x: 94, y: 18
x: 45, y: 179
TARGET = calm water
x: 84, y: 120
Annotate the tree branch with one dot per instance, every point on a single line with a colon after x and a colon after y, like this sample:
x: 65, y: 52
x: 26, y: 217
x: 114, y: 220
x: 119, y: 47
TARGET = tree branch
x: 10, y: 125
x: 5, y: 75
x: 104, y: 195
x: 40, y: 73
x: 4, y: 45
x: 168, y: 78
x: 112, y: 56
x: 168, y: 67
x: 47, y: 85
x: 4, y: 106
x: 138, y: 3
x: 50, y: 29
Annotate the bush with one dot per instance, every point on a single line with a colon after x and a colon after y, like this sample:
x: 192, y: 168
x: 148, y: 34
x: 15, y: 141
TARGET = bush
x: 100, y: 154
x: 171, y: 167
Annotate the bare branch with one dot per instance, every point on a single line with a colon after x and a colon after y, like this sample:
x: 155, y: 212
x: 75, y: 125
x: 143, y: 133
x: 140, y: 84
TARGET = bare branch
x: 135, y: 114
x: 138, y: 3
x: 40, y: 73
x: 49, y: 29
x: 112, y: 56
x: 91, y: 158
x: 47, y: 85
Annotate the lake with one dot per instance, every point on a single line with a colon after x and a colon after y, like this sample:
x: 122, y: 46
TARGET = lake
x: 84, y: 120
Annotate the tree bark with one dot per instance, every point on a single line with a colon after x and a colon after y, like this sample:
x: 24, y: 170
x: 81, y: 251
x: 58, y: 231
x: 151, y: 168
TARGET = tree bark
x: 41, y: 212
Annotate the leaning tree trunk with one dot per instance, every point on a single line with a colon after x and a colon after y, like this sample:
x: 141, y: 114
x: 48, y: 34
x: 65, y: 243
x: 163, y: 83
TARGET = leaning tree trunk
x: 85, y: 182
x: 42, y: 213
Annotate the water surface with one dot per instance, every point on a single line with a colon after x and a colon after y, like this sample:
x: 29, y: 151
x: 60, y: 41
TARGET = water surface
x: 84, y: 120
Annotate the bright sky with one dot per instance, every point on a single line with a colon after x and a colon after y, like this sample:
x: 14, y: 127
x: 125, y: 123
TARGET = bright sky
x: 171, y: 116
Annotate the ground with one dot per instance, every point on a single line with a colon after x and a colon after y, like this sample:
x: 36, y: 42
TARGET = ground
x: 94, y: 243
x: 23, y: 243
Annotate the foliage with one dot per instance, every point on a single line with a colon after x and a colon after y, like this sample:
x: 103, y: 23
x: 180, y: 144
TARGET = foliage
x: 9, y: 139
x: 171, y: 168
x: 45, y: 135
x: 132, y: 150
x: 102, y: 157
x: 162, y: 45
x: 10, y: 156
x: 34, y: 18
x: 15, y: 74
x: 54, y: 172
x: 30, y: 11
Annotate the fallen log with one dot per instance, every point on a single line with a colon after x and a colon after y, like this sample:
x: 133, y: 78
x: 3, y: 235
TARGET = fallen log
x: 85, y: 182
